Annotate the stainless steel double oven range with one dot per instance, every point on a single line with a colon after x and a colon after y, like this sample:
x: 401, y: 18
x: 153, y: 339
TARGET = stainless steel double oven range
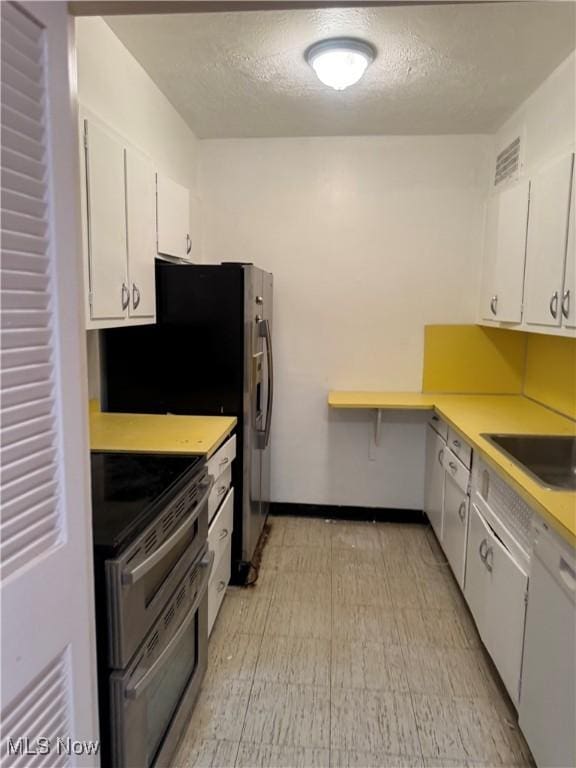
x: 152, y: 565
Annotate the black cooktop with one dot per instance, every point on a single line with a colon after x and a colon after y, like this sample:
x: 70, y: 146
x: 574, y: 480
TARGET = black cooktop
x: 129, y: 489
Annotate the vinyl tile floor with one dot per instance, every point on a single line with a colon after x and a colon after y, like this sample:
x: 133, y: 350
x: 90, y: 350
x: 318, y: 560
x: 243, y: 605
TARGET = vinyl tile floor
x: 354, y: 649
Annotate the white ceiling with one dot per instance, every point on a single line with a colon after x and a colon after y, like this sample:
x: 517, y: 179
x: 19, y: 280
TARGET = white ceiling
x: 440, y: 69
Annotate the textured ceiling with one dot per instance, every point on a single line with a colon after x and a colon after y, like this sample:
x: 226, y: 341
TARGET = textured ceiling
x: 440, y: 69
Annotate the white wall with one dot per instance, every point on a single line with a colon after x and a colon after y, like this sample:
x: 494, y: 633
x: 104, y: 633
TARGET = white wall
x: 114, y: 86
x: 547, y: 119
x: 369, y: 239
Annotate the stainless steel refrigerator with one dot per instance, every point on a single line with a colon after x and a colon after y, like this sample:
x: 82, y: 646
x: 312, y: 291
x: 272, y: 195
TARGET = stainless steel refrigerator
x: 209, y: 353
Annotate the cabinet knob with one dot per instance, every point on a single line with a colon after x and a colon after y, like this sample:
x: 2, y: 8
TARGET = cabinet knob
x: 462, y: 511
x: 554, y: 305
x: 125, y: 296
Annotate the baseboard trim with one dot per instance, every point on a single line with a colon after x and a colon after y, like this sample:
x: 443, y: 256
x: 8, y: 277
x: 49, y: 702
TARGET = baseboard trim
x: 337, y: 512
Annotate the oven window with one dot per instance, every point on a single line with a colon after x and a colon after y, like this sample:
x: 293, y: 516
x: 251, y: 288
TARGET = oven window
x: 156, y: 577
x: 165, y: 691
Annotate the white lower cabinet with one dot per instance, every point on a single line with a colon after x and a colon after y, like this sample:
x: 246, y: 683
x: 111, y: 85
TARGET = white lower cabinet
x: 496, y: 589
x: 434, y: 481
x: 221, y: 525
x: 220, y: 530
x: 219, y: 580
x: 455, y: 529
x: 548, y: 695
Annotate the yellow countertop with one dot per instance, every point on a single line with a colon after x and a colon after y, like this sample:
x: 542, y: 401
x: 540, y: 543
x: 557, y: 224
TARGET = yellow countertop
x: 141, y: 432
x: 472, y: 415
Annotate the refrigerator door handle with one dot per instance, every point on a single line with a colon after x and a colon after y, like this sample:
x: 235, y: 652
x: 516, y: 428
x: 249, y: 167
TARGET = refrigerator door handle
x: 264, y: 434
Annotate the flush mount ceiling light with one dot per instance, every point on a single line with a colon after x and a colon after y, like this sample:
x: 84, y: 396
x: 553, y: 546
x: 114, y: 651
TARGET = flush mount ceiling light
x: 340, y: 62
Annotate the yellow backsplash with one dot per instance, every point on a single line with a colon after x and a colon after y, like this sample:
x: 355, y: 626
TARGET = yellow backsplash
x: 550, y: 375
x: 471, y: 359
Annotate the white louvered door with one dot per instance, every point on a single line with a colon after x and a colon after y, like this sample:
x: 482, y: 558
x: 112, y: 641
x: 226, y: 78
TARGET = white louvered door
x: 48, y: 644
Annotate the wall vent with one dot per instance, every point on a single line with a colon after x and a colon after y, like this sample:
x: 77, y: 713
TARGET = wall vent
x: 508, y: 162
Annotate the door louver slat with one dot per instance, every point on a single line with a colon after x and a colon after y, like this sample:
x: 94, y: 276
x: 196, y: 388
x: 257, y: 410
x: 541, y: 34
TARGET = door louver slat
x: 30, y: 518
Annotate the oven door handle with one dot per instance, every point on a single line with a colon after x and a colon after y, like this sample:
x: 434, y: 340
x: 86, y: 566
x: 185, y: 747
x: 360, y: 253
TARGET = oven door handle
x: 132, y: 575
x: 134, y: 691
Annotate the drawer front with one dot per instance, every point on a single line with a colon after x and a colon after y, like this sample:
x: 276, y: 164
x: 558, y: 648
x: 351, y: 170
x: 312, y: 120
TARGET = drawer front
x: 222, y: 459
x: 220, y: 531
x: 439, y: 426
x: 219, y: 491
x: 456, y: 470
x: 218, y: 583
x: 460, y: 448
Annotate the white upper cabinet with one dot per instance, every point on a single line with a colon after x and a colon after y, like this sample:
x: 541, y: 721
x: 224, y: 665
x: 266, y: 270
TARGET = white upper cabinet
x: 141, y: 228
x: 568, y: 306
x: 546, y: 243
x: 504, y: 254
x: 119, y: 213
x: 173, y: 218
x: 106, y: 224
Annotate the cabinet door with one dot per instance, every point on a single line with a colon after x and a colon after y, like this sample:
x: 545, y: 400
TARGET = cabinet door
x: 506, y: 603
x: 548, y: 699
x: 173, y: 218
x: 434, y: 482
x: 488, y: 287
x: 546, y: 243
x: 140, y: 211
x: 476, y: 582
x: 495, y: 589
x: 569, y: 295
x: 455, y: 528
x: 504, y: 254
x: 106, y: 222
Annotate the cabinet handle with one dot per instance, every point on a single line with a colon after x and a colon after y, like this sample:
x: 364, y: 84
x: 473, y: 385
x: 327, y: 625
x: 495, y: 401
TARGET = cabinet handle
x: 188, y: 244
x: 135, y: 295
x: 489, y: 559
x: 224, y: 461
x: 125, y: 296
x: 554, y: 305
x: 221, y: 585
x: 440, y: 456
x: 493, y: 304
x: 482, y: 549
x: 462, y: 511
x: 566, y: 304
x: 222, y: 490
x: 223, y: 533
x: 453, y: 466
x: 456, y: 443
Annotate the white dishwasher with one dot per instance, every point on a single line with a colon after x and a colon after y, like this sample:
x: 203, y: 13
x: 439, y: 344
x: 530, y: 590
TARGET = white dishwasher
x: 548, y: 693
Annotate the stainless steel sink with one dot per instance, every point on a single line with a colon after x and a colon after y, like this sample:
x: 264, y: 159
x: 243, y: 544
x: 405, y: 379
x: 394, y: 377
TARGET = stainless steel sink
x: 550, y: 459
